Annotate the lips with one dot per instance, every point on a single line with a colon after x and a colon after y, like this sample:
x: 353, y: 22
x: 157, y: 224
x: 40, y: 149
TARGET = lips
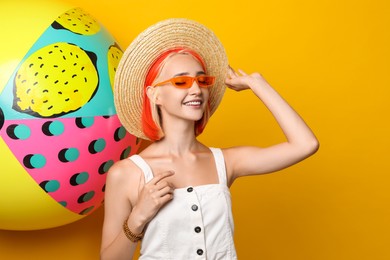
x: 196, y: 102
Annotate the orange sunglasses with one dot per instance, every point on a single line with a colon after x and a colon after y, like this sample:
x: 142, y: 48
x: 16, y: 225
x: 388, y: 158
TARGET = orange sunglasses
x: 187, y: 81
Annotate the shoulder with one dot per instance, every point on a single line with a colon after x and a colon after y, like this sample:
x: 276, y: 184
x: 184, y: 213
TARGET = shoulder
x: 239, y: 160
x: 236, y: 153
x: 124, y: 176
x: 123, y: 169
x: 229, y: 153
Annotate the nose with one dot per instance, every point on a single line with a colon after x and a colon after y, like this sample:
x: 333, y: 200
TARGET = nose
x: 195, y: 89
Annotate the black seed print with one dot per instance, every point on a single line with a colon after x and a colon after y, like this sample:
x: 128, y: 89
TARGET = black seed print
x: 2, y: 119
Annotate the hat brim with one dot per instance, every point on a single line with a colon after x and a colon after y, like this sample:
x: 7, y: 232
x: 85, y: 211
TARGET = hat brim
x: 147, y: 47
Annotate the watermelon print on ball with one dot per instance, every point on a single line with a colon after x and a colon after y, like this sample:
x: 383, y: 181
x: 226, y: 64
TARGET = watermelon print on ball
x: 57, y: 117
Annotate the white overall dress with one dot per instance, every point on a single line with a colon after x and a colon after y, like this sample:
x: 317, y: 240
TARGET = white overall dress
x: 196, y: 224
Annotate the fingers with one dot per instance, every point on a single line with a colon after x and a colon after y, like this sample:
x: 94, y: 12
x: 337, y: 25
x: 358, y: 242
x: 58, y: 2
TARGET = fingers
x: 162, y: 184
x: 242, y: 72
x: 165, y: 194
x: 232, y: 73
x: 158, y: 187
x: 154, y: 195
x: 158, y: 177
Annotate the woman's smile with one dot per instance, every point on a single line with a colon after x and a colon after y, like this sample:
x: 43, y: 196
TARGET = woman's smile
x: 196, y: 103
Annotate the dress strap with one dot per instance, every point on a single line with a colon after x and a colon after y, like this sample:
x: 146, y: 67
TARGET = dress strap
x: 220, y: 164
x: 148, y: 173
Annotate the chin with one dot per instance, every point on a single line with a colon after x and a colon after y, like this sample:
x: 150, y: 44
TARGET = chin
x: 194, y: 117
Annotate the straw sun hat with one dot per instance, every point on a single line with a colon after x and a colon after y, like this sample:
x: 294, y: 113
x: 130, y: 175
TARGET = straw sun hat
x: 147, y: 47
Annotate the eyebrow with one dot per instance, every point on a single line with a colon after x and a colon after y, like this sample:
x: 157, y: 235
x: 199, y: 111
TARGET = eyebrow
x: 201, y: 72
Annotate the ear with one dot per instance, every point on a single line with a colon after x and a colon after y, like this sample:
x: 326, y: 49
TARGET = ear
x: 152, y: 93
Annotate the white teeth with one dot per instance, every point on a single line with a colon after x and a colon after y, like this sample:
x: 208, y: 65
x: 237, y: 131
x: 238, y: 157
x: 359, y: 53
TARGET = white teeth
x: 192, y: 103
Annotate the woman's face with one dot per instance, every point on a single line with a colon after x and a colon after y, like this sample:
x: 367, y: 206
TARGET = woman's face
x: 188, y: 104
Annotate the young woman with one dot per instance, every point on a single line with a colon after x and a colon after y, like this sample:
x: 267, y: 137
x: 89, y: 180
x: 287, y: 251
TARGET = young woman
x: 175, y: 195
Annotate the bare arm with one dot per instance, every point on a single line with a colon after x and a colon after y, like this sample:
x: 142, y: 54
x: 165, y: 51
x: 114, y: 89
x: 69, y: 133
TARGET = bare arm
x: 127, y: 197
x: 117, y: 208
x: 301, y: 142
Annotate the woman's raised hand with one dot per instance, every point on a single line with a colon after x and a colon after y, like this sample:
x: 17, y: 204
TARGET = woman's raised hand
x: 240, y: 80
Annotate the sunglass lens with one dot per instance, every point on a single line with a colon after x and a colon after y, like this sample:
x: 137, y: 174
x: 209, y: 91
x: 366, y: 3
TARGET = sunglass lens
x: 182, y: 82
x: 186, y: 82
x: 205, y: 81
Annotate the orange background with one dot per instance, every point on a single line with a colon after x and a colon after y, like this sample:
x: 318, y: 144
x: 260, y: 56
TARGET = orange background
x: 331, y: 61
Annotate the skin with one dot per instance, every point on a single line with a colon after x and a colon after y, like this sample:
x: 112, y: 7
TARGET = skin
x: 180, y: 160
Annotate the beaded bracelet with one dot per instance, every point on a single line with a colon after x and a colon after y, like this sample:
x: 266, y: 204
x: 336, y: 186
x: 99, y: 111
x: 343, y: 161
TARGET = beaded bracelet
x: 130, y: 235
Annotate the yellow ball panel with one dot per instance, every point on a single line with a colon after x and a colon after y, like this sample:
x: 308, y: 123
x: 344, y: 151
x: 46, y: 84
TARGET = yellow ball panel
x: 113, y: 56
x: 18, y: 18
x: 56, y: 79
x: 77, y: 21
x: 24, y: 205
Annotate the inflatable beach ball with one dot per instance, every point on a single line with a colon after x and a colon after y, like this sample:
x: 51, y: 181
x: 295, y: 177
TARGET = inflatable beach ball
x: 59, y: 132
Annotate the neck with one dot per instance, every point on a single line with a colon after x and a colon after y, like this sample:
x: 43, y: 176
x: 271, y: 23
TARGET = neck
x: 179, y: 137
